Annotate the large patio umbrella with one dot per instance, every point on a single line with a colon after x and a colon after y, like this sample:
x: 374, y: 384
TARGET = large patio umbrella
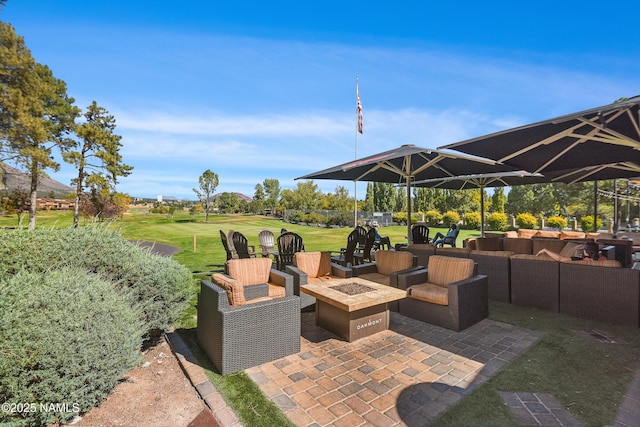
x: 602, y: 135
x: 406, y: 164
x: 482, y: 181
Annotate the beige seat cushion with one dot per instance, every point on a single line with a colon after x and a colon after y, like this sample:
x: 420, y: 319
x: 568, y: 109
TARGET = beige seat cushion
x: 389, y: 261
x: 277, y: 291
x: 548, y: 234
x: 444, y: 270
x: 315, y: 264
x: 429, y: 292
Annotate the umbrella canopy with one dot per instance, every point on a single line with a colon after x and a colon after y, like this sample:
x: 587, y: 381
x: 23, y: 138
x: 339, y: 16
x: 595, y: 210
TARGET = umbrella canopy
x: 482, y: 181
x: 602, y: 135
x: 406, y: 164
x: 597, y: 173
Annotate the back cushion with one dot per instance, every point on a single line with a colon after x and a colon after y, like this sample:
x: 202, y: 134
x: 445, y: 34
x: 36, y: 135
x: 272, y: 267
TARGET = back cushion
x: 250, y: 271
x: 572, y: 235
x: 444, y: 270
x: 315, y: 264
x: 389, y: 261
x: 547, y: 233
x: 526, y: 233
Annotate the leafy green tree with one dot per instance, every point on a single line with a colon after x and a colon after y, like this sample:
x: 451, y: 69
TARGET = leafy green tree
x: 306, y: 196
x: 228, y: 202
x: 521, y: 199
x: 97, y: 156
x: 369, y: 205
x: 16, y: 202
x: 272, y: 190
x: 37, y: 115
x: 401, y: 199
x: 257, y: 205
x: 384, y: 196
x: 208, y: 183
x: 498, y: 200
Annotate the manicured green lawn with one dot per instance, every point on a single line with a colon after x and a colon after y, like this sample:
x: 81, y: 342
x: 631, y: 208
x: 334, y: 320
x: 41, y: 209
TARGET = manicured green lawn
x: 588, y: 377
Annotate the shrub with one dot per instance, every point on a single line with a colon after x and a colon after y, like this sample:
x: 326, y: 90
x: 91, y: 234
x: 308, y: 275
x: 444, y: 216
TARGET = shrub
x: 497, y: 221
x: 433, y: 218
x: 314, y: 218
x: 399, y: 218
x: 157, y: 287
x: 556, y: 222
x: 67, y: 338
x: 472, y: 220
x: 526, y: 220
x: 450, y: 217
x: 586, y: 222
x: 295, y: 217
x: 341, y: 219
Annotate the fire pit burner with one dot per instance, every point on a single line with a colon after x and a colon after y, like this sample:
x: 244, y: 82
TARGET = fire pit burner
x: 352, y: 288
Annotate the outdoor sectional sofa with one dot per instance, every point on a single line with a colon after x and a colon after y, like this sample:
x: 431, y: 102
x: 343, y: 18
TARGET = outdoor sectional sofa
x: 603, y: 290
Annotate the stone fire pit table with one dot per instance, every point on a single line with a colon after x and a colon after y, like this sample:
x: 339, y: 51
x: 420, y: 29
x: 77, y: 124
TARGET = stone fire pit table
x: 352, y: 308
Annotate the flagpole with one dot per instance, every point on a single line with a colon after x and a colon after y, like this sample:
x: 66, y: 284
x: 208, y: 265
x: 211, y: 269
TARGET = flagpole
x: 355, y: 182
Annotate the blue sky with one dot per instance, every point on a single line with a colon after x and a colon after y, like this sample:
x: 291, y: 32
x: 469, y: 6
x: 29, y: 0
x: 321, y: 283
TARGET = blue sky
x: 255, y: 90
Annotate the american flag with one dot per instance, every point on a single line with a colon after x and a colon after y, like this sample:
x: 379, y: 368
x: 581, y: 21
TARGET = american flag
x: 359, y: 110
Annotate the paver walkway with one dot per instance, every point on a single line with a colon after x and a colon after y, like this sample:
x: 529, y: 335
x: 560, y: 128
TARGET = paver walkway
x: 407, y: 375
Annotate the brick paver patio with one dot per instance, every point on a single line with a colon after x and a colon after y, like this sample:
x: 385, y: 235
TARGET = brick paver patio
x: 407, y: 375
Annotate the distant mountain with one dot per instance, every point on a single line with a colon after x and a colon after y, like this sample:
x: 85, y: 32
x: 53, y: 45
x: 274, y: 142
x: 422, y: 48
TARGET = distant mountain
x: 240, y: 196
x: 12, y: 178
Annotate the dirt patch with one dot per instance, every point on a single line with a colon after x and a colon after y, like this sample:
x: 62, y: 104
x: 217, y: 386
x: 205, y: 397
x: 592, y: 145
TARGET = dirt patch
x: 154, y: 394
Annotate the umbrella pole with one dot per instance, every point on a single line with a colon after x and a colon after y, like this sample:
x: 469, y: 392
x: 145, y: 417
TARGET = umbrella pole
x: 409, y: 240
x: 595, y: 206
x: 481, y: 211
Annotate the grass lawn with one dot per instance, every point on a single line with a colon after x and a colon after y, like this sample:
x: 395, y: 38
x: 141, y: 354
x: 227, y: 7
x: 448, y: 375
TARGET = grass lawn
x: 588, y: 377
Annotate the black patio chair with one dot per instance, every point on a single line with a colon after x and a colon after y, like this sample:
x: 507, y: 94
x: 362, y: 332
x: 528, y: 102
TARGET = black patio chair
x: 420, y: 234
x: 241, y: 245
x: 344, y: 256
x: 288, y: 244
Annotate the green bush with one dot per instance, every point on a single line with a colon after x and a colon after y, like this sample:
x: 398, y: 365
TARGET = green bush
x: 399, y: 218
x: 66, y: 338
x: 341, y: 219
x: 472, y: 220
x: 295, y: 217
x: 497, y: 221
x: 586, y: 222
x: 158, y: 287
x: 526, y: 220
x: 557, y: 222
x: 450, y: 217
x: 314, y: 218
x: 433, y: 218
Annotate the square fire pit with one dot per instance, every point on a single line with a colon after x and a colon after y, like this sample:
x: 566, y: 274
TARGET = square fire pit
x: 352, y: 308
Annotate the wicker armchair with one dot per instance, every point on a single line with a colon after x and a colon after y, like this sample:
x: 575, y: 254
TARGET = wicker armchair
x: 387, y: 267
x: 313, y: 267
x: 239, y: 324
x: 448, y: 294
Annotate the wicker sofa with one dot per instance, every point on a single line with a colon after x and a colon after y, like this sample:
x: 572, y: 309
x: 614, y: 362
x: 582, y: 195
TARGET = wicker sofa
x: 517, y: 276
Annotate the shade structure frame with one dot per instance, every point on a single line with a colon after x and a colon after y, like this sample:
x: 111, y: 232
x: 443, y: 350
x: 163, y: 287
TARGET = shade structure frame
x: 407, y: 164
